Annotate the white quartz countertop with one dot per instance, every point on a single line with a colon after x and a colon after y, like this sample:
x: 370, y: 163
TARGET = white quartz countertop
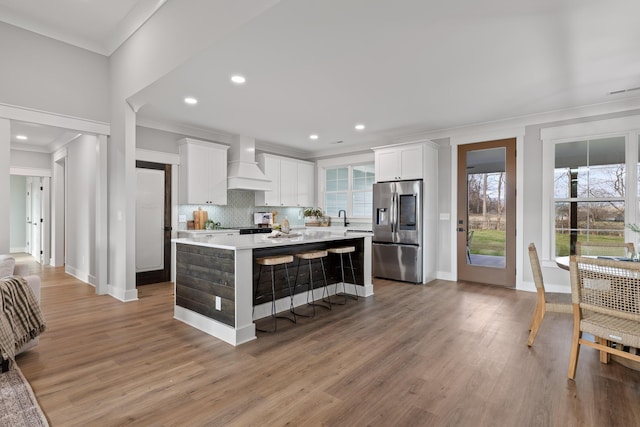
x: 215, y: 231
x: 253, y: 241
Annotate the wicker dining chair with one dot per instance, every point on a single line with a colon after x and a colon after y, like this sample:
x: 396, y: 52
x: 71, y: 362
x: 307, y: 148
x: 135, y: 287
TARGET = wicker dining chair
x: 547, y: 301
x: 621, y: 249
x: 606, y: 304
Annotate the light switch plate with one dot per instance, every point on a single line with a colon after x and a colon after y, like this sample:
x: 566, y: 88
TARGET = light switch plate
x: 218, y: 303
x: 182, y: 218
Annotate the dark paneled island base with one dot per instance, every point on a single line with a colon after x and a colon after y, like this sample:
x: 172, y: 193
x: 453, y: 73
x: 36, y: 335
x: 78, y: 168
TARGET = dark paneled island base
x: 216, y: 287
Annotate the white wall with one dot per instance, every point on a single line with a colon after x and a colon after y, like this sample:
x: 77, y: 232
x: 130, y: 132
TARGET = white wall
x: 81, y: 202
x: 157, y: 140
x: 47, y: 75
x: 30, y: 160
x: 18, y: 214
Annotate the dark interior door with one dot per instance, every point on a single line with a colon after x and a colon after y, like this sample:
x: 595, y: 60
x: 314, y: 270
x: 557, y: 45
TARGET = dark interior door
x: 159, y: 244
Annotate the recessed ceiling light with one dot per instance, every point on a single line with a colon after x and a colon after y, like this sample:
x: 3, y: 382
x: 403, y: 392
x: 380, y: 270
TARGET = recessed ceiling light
x: 21, y: 137
x: 313, y: 136
x: 238, y: 79
x: 359, y: 126
x: 190, y: 100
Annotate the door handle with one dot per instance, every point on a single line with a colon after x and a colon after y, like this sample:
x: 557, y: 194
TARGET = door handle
x: 393, y: 212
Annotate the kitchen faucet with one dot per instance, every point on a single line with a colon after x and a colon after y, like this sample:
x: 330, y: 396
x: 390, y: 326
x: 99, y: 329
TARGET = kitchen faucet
x: 345, y: 216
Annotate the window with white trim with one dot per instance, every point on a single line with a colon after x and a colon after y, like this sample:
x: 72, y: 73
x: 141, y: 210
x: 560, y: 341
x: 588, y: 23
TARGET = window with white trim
x: 349, y: 188
x: 591, y: 190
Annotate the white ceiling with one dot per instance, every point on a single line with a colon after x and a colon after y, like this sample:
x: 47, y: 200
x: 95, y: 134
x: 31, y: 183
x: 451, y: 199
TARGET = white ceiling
x: 400, y: 67
x: 41, y: 138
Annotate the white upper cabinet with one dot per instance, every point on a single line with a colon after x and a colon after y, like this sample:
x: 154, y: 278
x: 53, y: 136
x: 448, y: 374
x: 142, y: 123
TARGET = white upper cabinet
x: 306, y: 193
x: 270, y: 165
x: 203, y: 172
x: 399, y: 163
x: 288, y: 182
x: 291, y: 181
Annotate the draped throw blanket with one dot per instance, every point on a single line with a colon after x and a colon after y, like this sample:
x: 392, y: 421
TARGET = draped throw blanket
x: 20, y: 317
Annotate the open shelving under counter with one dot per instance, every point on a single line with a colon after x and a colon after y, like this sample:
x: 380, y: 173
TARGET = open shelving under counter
x: 214, y: 288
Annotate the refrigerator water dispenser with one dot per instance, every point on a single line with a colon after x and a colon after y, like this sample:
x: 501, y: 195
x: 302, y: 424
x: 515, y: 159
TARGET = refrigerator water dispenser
x: 382, y: 217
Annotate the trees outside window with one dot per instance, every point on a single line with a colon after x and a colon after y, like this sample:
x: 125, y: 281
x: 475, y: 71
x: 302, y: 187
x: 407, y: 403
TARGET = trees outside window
x: 589, y: 192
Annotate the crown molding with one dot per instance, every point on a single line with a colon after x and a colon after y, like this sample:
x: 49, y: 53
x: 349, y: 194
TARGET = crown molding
x: 186, y: 130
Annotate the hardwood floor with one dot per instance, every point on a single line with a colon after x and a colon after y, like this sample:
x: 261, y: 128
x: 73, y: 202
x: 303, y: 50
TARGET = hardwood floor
x: 443, y: 354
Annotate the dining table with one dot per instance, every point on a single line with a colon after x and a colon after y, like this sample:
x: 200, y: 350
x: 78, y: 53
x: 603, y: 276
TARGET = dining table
x: 563, y: 262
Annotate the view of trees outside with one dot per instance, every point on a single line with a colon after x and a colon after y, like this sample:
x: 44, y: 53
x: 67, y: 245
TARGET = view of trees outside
x: 597, y: 200
x: 486, y: 204
x: 594, y: 193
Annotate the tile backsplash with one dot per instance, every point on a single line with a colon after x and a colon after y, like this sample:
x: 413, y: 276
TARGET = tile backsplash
x: 239, y: 211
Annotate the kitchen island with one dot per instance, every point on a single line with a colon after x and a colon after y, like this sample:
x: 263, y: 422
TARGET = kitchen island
x: 216, y: 288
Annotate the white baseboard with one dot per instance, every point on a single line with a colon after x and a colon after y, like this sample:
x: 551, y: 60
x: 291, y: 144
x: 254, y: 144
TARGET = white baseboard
x: 549, y: 287
x: 446, y: 275
x: 122, y: 294
x: 77, y: 273
x: 16, y: 250
x: 217, y: 329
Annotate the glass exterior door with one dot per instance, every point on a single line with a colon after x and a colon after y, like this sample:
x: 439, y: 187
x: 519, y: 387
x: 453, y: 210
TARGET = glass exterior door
x: 486, y: 212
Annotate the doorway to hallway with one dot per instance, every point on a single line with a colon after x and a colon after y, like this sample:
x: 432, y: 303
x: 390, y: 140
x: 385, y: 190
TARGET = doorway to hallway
x: 29, y: 216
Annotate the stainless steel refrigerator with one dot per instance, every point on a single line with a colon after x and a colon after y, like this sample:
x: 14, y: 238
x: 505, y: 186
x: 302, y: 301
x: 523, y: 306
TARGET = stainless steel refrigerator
x: 397, y: 230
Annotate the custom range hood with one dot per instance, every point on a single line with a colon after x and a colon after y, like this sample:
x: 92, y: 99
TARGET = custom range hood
x: 243, y: 172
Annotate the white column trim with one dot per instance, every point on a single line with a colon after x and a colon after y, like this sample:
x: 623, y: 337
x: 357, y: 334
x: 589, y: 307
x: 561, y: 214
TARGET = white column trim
x: 5, y: 190
x: 25, y: 171
x: 102, y: 217
x: 157, y: 157
x: 13, y: 112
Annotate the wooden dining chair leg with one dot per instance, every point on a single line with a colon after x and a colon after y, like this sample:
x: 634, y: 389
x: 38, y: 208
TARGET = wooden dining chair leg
x: 533, y: 318
x: 604, y: 356
x: 575, y: 344
x: 536, y: 320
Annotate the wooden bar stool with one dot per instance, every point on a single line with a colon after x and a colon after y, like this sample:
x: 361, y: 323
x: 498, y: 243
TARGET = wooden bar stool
x: 273, y: 261
x: 341, y: 251
x: 310, y: 256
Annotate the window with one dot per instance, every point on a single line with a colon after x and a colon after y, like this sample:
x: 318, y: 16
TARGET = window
x: 349, y: 188
x: 589, y: 192
x: 591, y: 184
